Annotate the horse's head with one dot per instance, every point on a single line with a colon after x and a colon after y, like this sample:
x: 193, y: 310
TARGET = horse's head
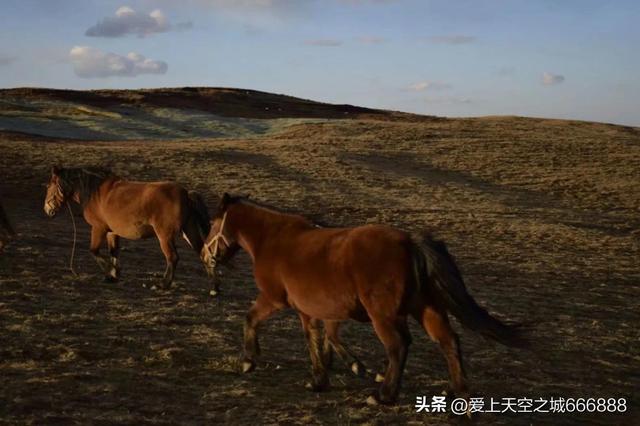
x: 221, y: 244
x: 56, y: 194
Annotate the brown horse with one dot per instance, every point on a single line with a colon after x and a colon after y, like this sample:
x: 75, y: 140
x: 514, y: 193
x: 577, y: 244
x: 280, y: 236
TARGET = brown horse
x: 4, y: 224
x: 115, y: 208
x: 368, y: 273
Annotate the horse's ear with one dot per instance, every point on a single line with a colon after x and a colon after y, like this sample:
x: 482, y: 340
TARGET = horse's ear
x: 55, y: 170
x: 224, y: 201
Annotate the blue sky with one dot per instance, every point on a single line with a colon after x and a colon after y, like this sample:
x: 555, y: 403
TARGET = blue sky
x: 549, y: 58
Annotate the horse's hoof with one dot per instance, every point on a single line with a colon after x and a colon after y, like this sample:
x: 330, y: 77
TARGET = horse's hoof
x: 384, y: 399
x: 248, y: 366
x: 110, y: 279
x: 214, y: 293
x: 153, y: 288
x: 358, y: 369
x: 372, y: 400
x: 317, y: 387
x: 379, y: 378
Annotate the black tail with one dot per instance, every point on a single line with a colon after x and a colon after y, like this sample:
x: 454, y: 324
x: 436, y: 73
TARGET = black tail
x: 200, y: 213
x: 4, y: 221
x: 436, y: 267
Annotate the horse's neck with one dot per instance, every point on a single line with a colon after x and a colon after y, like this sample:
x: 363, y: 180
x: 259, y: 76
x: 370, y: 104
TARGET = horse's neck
x: 256, y: 224
x: 101, y: 189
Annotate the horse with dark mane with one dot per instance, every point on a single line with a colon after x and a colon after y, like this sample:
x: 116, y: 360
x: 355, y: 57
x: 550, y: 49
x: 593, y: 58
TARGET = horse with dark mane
x: 368, y: 273
x: 117, y: 208
x: 4, y: 224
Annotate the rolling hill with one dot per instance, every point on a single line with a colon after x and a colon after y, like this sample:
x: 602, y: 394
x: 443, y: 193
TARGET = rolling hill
x: 186, y: 113
x: 543, y: 217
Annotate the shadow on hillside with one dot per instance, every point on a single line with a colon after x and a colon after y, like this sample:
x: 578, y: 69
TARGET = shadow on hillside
x: 541, y: 205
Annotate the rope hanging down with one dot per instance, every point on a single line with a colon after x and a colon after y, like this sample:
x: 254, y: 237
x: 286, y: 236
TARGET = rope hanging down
x: 73, y: 248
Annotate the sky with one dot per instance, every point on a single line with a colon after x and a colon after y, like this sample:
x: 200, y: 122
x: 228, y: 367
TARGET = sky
x: 576, y: 59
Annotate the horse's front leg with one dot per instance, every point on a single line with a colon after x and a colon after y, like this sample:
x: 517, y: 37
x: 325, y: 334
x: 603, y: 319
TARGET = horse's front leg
x: 260, y: 311
x: 171, y: 255
x: 313, y: 334
x: 113, y: 242
x: 98, y: 236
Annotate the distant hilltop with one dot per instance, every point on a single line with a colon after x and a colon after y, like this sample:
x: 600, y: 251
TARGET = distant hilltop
x: 195, y: 113
x: 225, y: 102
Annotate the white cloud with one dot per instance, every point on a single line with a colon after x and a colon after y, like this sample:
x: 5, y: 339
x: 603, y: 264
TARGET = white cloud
x: 371, y: 40
x: 7, y: 60
x: 128, y: 21
x: 452, y: 100
x: 323, y: 42
x: 549, y: 79
x: 89, y: 62
x: 450, y: 39
x: 429, y: 85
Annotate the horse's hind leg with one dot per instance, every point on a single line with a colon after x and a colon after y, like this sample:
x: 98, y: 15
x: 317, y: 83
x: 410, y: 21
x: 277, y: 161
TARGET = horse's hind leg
x: 98, y: 236
x: 113, y: 242
x: 436, y: 324
x: 332, y: 342
x: 171, y: 255
x: 260, y: 311
x: 313, y: 334
x: 394, y: 335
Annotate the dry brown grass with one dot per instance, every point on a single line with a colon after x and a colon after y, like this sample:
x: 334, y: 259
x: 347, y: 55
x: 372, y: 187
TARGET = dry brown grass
x: 542, y: 215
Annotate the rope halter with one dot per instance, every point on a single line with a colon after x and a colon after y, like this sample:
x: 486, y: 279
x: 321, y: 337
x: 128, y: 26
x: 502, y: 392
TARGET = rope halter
x: 50, y: 202
x: 215, y: 242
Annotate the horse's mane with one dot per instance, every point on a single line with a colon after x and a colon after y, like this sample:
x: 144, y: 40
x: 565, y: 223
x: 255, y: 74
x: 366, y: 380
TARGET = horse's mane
x: 4, y: 221
x: 245, y: 200
x: 84, y: 180
x: 236, y: 199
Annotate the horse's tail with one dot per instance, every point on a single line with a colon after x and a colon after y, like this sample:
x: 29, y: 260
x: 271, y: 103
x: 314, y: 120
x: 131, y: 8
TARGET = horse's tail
x: 4, y: 221
x: 434, y: 266
x: 199, y: 212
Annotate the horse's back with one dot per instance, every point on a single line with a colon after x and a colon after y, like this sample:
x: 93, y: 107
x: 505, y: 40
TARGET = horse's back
x: 358, y: 263
x: 147, y: 195
x: 140, y: 209
x: 373, y: 252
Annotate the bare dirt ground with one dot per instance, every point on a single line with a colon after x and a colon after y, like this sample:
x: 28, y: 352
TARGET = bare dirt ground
x: 543, y: 217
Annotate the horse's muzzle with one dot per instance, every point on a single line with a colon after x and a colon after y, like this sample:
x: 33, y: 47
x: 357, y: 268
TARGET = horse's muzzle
x: 211, y: 269
x: 209, y: 263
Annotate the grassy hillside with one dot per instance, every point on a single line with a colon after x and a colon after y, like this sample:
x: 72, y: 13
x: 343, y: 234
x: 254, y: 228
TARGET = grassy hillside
x: 543, y: 217
x: 187, y: 113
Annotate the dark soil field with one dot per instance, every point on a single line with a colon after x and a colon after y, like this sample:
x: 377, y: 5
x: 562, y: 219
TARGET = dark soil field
x: 543, y: 217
